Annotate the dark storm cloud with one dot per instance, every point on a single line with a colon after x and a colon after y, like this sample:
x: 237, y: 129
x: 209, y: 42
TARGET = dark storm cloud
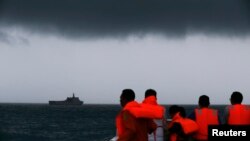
x: 10, y: 39
x: 78, y: 18
x: 4, y: 37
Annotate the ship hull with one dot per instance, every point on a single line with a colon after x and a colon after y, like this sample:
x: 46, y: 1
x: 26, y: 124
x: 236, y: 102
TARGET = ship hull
x: 65, y: 103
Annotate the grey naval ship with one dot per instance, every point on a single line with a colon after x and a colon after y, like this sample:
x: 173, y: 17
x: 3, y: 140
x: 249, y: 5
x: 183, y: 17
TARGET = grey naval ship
x: 69, y: 101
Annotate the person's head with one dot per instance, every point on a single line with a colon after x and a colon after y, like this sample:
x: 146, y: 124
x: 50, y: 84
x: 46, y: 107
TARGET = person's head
x: 236, y: 98
x: 182, y: 111
x: 173, y: 109
x: 127, y: 96
x: 204, y: 101
x: 150, y: 92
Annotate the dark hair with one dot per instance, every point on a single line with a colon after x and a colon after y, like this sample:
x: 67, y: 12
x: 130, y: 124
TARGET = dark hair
x: 182, y: 111
x: 128, y: 94
x: 236, y: 97
x: 173, y: 109
x: 150, y: 92
x: 204, y: 101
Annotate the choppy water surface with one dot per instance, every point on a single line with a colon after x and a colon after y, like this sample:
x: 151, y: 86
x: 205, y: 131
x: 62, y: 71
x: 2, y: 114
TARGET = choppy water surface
x: 41, y: 122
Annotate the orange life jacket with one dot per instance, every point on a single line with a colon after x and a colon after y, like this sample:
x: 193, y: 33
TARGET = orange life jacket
x: 158, y: 134
x: 150, y: 100
x: 205, y: 117
x: 188, y: 126
x: 119, y: 124
x: 148, y: 109
x: 239, y: 115
x: 173, y: 137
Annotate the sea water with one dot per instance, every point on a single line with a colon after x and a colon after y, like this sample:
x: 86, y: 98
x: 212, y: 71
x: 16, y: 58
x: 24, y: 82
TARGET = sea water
x: 41, y: 122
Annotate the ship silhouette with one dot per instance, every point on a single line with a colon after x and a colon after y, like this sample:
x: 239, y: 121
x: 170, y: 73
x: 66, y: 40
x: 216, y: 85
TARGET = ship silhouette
x: 69, y: 101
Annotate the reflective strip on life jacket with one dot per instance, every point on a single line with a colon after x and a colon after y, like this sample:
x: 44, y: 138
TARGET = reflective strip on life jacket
x: 239, y: 115
x: 205, y: 117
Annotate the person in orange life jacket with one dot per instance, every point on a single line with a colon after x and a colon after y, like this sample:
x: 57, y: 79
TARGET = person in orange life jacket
x: 130, y: 128
x: 180, y: 128
x: 237, y: 113
x: 204, y: 116
x: 150, y: 98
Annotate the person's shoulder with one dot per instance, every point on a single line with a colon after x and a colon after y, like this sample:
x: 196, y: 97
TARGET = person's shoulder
x: 126, y: 115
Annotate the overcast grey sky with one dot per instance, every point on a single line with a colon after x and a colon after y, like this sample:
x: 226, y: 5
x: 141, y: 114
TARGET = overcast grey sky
x: 180, y: 48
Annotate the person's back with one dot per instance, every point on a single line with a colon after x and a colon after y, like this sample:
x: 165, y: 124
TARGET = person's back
x: 143, y: 127
x: 180, y: 128
x: 158, y: 134
x: 204, y: 116
x: 136, y: 129
x: 130, y: 128
x: 237, y: 113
